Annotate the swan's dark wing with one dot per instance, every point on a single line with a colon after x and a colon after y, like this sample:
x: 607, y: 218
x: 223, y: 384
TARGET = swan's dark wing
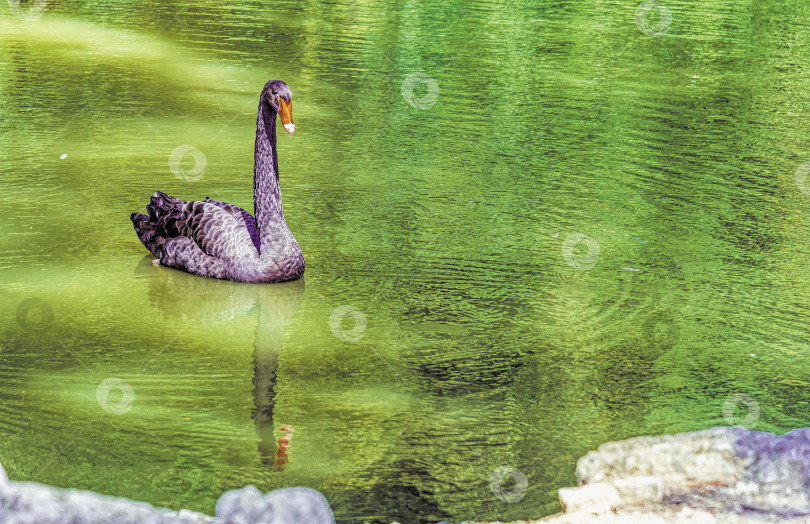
x: 239, y: 213
x: 218, y: 232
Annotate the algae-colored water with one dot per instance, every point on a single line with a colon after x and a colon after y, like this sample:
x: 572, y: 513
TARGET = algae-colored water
x: 529, y: 227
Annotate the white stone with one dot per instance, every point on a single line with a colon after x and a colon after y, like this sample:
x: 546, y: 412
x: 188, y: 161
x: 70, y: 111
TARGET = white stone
x: 707, y: 455
x: 598, y: 497
x: 698, y: 474
x: 634, y: 490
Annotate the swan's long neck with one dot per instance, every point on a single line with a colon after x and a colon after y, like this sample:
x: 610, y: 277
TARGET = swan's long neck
x: 266, y: 193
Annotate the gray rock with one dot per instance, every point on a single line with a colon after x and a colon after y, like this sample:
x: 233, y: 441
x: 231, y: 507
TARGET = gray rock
x: 26, y: 502
x: 717, y: 475
x: 249, y: 506
x: 31, y: 503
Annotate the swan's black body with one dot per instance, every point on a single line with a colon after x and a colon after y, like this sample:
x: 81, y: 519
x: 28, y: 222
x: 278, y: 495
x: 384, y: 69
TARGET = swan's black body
x: 220, y: 240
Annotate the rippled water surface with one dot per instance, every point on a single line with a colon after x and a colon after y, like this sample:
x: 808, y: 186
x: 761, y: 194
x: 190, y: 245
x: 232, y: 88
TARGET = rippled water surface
x: 529, y: 227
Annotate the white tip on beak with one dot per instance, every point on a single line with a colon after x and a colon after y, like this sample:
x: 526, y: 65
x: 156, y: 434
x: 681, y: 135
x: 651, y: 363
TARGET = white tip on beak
x: 290, y: 128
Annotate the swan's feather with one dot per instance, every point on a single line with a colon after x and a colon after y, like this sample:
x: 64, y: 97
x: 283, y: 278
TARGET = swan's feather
x: 195, y: 236
x: 218, y: 232
x: 239, y: 213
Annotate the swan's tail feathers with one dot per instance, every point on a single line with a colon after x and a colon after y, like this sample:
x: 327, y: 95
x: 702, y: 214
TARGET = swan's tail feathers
x: 167, y: 215
x: 148, y: 234
x: 162, y: 205
x: 165, y: 219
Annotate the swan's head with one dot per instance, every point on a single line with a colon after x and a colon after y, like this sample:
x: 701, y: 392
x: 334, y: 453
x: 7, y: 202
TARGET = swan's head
x: 277, y: 95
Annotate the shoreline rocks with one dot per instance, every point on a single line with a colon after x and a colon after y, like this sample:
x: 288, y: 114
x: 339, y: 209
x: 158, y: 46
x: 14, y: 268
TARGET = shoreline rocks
x: 32, y: 503
x: 716, y: 475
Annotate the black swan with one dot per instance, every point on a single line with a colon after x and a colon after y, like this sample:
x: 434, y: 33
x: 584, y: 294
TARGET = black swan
x: 215, y: 239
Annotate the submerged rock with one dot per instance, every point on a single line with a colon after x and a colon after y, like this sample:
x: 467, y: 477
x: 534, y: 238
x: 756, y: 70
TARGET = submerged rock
x: 716, y: 475
x: 31, y: 503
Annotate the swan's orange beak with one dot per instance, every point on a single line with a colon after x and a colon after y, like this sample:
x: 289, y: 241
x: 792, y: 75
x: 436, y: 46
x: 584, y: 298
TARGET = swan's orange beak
x: 285, y: 112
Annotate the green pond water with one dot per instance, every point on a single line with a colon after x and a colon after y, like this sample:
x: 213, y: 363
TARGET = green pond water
x: 529, y: 228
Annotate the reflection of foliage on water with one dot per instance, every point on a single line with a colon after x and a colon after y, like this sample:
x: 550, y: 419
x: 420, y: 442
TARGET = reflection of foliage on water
x: 483, y: 348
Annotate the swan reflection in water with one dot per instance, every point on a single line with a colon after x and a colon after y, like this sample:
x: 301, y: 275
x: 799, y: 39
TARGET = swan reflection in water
x: 216, y: 302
